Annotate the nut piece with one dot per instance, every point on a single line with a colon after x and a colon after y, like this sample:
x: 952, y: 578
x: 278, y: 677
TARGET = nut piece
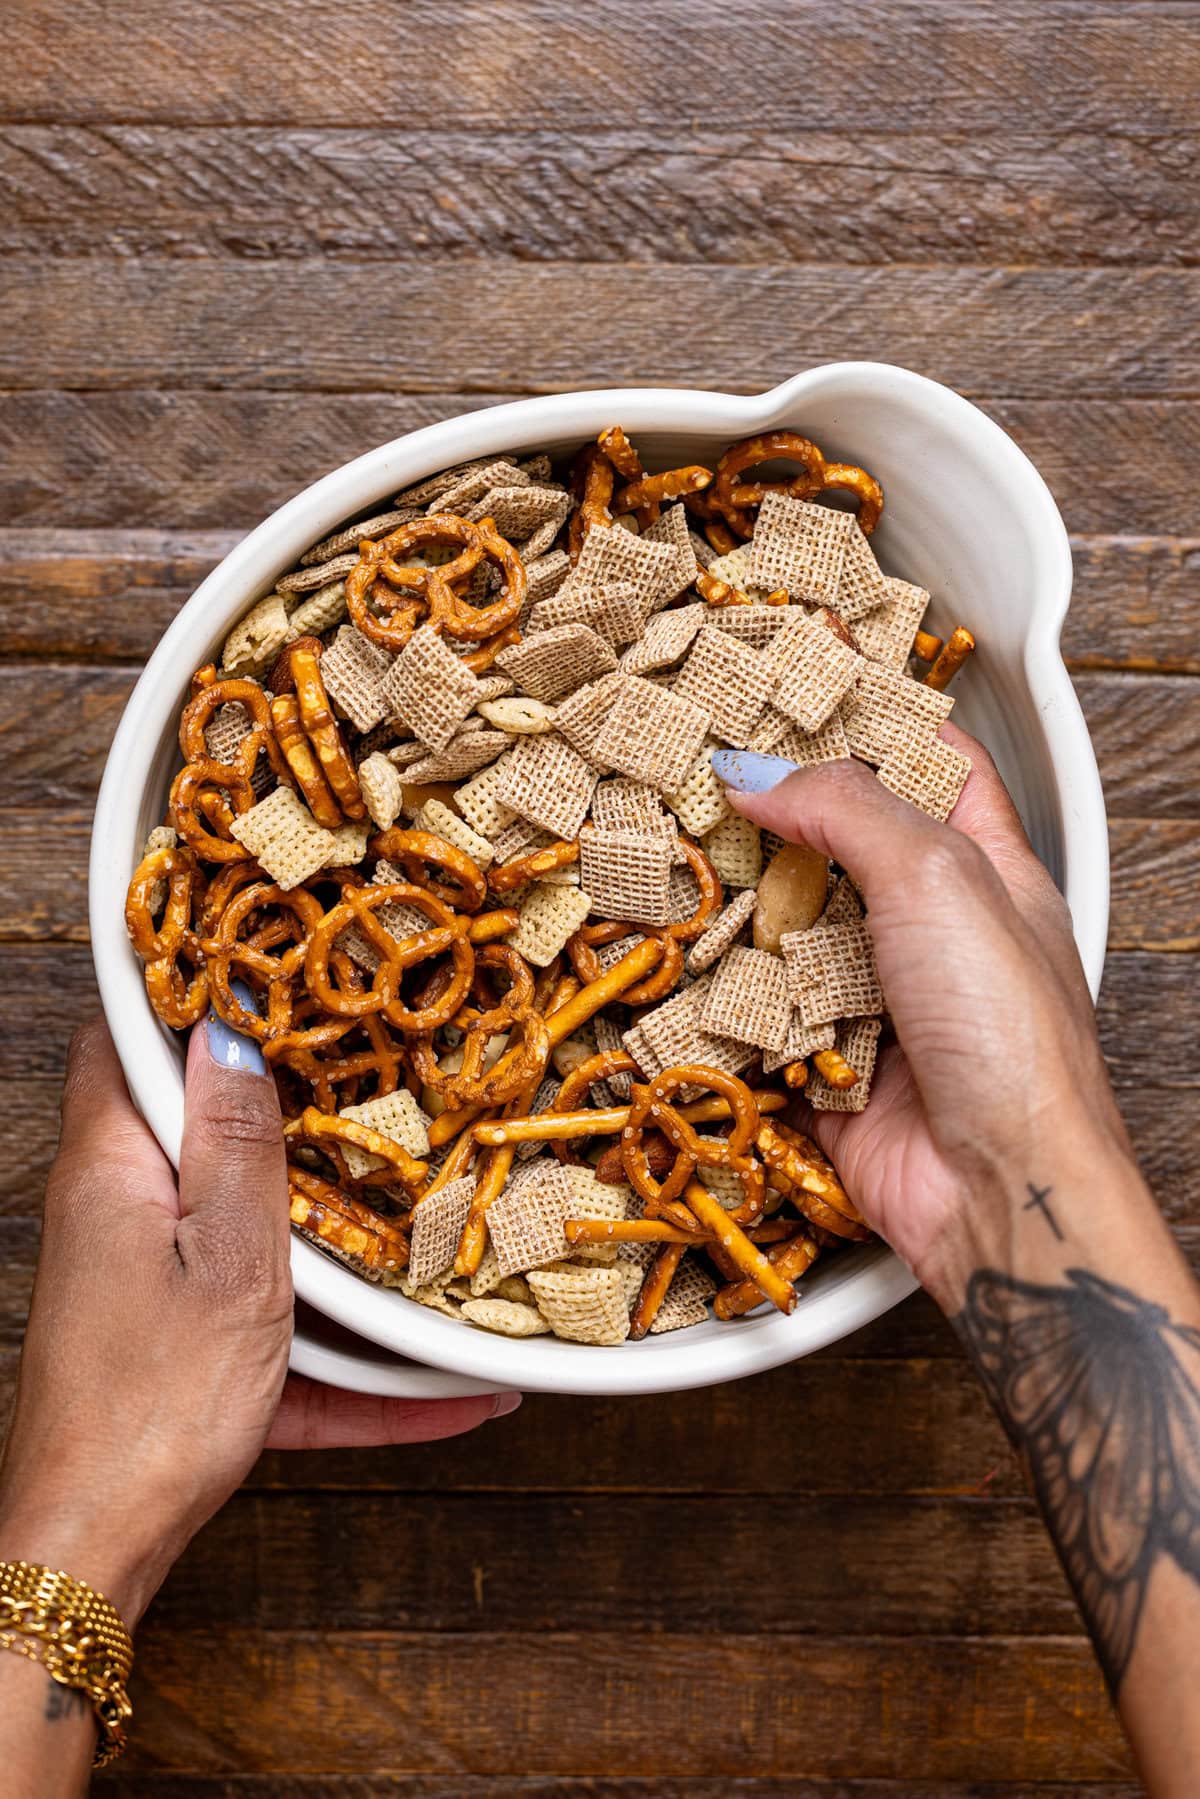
x: 519, y: 716
x: 791, y: 894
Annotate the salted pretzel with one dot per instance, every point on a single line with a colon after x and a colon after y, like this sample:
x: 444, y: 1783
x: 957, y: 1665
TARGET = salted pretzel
x: 384, y: 575
x: 835, y: 1069
x: 205, y: 799
x: 582, y: 950
x: 358, y: 905
x: 300, y: 758
x: 796, y: 1167
x: 950, y: 658
x: 332, y: 1133
x: 592, y: 481
x: 177, y: 999
x: 322, y: 729
x: 651, y: 1107
x: 521, y: 1063
x: 580, y: 1081
x: 326, y: 1212
x: 621, y: 453
x: 210, y: 694
x: 459, y: 884
x: 649, y: 493
x: 790, y: 1259
x: 510, y: 875
x: 238, y: 946
x: 724, y: 593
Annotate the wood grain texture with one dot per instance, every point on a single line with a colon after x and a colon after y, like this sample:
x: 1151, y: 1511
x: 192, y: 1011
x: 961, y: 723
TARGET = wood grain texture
x: 466, y: 1786
x: 112, y: 323
x: 815, y: 1706
x: 740, y: 193
x: 926, y: 1567
x: 60, y: 722
x: 221, y: 461
x: 776, y: 62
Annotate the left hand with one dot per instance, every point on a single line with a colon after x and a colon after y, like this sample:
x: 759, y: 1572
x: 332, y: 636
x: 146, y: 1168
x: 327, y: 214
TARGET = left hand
x: 155, y: 1361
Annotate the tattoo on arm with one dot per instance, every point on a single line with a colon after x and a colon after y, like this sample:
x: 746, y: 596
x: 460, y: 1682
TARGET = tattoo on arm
x: 63, y: 1702
x: 1039, y: 1201
x: 1101, y: 1393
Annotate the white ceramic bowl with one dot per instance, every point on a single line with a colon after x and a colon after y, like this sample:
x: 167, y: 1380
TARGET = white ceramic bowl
x: 967, y: 516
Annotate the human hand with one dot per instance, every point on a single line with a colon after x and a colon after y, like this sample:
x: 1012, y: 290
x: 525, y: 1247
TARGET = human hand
x: 996, y: 1052
x: 155, y: 1362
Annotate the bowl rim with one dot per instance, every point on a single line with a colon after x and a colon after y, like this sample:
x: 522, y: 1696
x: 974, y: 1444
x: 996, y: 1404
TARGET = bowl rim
x: 879, y: 1280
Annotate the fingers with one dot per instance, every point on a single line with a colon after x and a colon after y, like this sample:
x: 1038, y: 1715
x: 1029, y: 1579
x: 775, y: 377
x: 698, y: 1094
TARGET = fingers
x: 232, y: 1171
x: 314, y: 1416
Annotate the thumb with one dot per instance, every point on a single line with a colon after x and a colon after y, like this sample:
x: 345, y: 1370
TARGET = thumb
x: 232, y: 1170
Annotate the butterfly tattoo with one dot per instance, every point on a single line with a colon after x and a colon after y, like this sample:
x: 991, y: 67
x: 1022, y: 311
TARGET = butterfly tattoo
x: 1101, y: 1392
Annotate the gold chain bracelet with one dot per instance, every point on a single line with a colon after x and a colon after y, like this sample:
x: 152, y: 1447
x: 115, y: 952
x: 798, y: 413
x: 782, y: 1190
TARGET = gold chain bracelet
x: 77, y: 1637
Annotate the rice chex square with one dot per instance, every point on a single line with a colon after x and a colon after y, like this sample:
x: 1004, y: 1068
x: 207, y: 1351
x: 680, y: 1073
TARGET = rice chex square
x: 396, y: 1115
x: 699, y: 801
x: 285, y: 838
x: 549, y: 916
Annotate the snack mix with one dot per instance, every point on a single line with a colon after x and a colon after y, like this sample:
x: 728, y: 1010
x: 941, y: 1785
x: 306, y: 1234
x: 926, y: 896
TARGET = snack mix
x: 448, y: 843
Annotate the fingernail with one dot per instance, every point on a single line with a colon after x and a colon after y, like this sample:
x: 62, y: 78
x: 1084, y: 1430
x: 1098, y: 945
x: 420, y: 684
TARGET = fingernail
x: 747, y: 772
x: 505, y: 1403
x: 229, y: 1048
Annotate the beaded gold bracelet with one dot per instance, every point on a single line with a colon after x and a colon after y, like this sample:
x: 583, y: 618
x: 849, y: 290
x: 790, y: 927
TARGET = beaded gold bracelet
x: 78, y: 1638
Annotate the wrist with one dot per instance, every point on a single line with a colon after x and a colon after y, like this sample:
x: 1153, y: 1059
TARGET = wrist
x: 126, y: 1565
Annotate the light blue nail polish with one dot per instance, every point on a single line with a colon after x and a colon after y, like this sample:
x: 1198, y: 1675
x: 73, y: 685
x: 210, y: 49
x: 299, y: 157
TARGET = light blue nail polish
x: 747, y: 772
x: 229, y: 1048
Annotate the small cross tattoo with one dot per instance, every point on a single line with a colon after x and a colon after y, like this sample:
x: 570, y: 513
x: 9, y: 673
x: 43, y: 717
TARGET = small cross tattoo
x: 1038, y: 1198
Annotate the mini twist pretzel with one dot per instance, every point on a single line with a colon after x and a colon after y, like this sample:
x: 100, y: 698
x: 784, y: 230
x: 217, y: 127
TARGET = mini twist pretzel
x: 592, y: 477
x: 417, y: 851
x: 580, y: 1081
x: 651, y: 1107
x: 322, y: 729
x: 770, y: 447
x: 232, y: 691
x: 521, y: 1065
x: 382, y: 567
x: 179, y: 1002
x: 205, y: 792
x: 510, y: 875
x: 228, y: 949
x: 358, y: 906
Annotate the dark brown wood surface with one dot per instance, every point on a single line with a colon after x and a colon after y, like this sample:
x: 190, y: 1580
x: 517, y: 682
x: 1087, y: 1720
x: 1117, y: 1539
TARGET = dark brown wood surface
x: 243, y: 243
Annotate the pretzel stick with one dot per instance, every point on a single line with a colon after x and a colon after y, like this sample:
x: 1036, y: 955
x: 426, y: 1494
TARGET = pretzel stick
x: 790, y: 1260
x: 737, y: 1245
x: 629, y: 1230
x: 654, y: 1289
x: 835, y: 1068
x: 927, y: 646
x: 796, y: 1074
x: 953, y: 654
x: 601, y: 992
x: 545, y: 1127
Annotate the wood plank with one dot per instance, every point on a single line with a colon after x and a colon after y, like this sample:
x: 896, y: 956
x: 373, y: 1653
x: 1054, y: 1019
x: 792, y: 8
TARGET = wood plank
x: 743, y: 194
x: 917, y: 1568
x: 107, y: 323
x: 127, y: 1785
x: 816, y: 1706
x: 1153, y: 897
x: 100, y: 594
x: 970, y: 68
x: 220, y: 462
x: 59, y: 722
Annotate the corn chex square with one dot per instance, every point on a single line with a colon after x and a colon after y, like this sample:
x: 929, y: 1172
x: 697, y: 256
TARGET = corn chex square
x: 858, y: 1042
x: 611, y: 554
x: 814, y: 668
x: 505, y: 1317
x: 800, y: 547
x: 396, y: 1115
x: 479, y: 802
x: 526, y: 1223
x: 551, y: 664
x: 548, y: 781
x: 862, y: 585
x: 699, y: 801
x: 651, y: 734
x: 734, y: 847
x: 583, y: 1305
x: 831, y: 972
x: 257, y: 639
x: 286, y: 839
x: 686, y: 1300
x: 724, y: 930
x: 549, y: 916
x: 437, y: 817
x: 886, y: 634
x: 429, y: 690
x: 886, y: 707
x: 748, y: 999
x: 927, y: 772
x: 626, y: 873
x: 665, y: 641
x: 730, y: 679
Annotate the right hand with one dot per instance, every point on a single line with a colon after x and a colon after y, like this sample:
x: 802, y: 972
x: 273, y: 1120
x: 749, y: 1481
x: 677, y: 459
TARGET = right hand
x: 997, y: 1051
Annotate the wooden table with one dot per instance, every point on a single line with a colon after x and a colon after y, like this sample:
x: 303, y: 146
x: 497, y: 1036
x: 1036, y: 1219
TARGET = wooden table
x: 244, y: 242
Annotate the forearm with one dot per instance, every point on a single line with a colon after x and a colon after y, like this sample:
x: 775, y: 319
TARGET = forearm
x: 1082, y: 1317
x: 47, y: 1733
